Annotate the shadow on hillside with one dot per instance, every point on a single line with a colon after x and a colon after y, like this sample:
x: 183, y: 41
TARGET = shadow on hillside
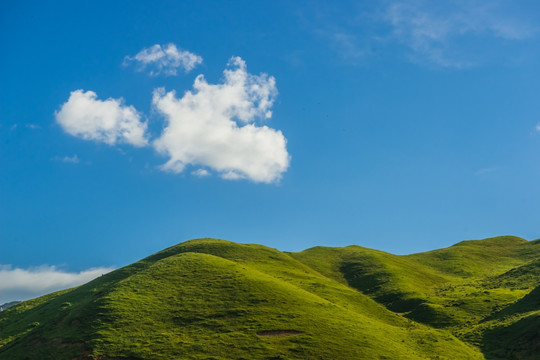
x: 520, y: 340
x: 375, y: 285
x: 528, y: 303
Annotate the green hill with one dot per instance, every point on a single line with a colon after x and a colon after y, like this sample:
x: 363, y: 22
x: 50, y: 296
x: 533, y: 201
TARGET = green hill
x: 477, y: 290
x: 215, y: 299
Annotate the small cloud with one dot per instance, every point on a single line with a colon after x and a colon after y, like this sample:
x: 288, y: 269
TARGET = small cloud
x: 164, y: 60
x: 214, y: 126
x: 486, y: 171
x: 32, y: 126
x: 67, y: 159
x: 108, y: 121
x: 13, y: 127
x: 201, y: 173
x: 24, y: 284
x: 538, y: 127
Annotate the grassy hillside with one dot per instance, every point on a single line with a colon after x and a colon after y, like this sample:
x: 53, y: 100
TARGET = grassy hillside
x: 214, y: 299
x: 483, y: 291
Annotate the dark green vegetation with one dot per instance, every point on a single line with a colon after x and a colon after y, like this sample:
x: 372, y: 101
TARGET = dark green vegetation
x: 214, y: 299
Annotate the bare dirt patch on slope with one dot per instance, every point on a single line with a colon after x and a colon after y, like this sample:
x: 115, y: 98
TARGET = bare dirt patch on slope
x: 265, y: 333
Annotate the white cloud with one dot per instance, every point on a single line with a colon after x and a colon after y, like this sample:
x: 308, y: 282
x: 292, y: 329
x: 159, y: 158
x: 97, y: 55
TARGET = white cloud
x: 164, y: 59
x: 449, y: 33
x: 200, y: 173
x: 108, y: 121
x: 213, y: 126
x: 32, y: 126
x: 67, y: 159
x: 435, y: 31
x: 23, y: 284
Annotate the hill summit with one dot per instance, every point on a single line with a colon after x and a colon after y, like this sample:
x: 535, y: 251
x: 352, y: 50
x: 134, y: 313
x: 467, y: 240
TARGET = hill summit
x: 215, y: 299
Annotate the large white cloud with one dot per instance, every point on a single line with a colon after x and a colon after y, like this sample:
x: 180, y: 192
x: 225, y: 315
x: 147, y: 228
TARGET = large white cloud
x: 214, y: 127
x: 164, y: 59
x: 23, y: 284
x: 108, y: 121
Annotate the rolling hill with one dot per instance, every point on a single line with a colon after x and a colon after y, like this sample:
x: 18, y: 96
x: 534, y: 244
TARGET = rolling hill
x: 215, y: 299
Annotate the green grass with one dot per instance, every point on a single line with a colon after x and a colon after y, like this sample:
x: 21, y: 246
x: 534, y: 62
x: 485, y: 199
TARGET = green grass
x: 211, y: 299
x: 474, y: 289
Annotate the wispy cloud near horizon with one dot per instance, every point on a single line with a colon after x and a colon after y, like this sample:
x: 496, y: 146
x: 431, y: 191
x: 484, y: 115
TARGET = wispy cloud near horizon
x: 18, y: 284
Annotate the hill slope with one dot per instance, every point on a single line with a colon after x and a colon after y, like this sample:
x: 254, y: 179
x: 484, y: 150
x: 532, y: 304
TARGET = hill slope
x: 214, y: 299
x: 483, y: 291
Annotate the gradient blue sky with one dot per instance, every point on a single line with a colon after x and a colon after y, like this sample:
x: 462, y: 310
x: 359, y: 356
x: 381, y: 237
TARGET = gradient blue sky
x: 410, y: 126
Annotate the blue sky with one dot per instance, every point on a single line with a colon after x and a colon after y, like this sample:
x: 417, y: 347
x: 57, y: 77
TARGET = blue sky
x: 403, y: 126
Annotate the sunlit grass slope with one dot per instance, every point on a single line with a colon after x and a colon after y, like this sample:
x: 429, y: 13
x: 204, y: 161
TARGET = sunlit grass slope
x: 214, y: 299
x: 483, y: 291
